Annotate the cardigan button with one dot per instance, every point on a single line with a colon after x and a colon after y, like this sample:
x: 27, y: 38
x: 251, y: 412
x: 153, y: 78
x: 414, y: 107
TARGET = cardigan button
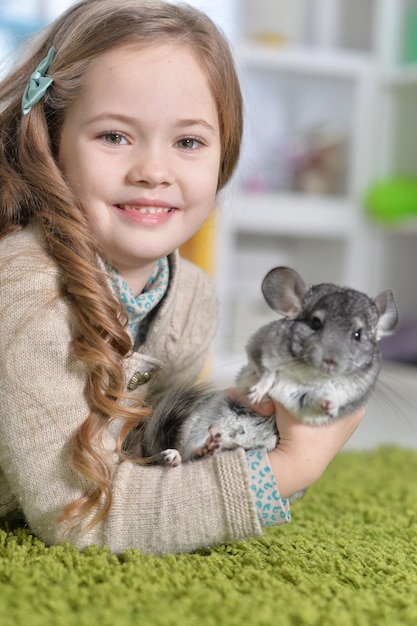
x: 139, y: 378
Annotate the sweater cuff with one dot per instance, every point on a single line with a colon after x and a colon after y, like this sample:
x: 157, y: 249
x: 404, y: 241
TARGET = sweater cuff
x: 271, y: 508
x: 241, y: 516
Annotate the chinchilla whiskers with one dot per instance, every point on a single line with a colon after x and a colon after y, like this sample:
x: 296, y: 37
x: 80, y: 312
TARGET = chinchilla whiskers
x: 297, y: 362
x: 391, y: 391
x: 358, y: 378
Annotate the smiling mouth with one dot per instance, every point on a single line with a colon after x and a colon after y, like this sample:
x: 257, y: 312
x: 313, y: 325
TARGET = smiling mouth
x: 149, y: 210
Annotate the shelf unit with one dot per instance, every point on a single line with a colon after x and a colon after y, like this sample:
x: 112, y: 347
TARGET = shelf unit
x: 356, y: 85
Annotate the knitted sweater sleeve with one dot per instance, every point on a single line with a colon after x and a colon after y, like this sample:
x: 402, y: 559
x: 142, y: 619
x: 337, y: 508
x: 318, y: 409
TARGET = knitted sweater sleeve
x: 155, y: 509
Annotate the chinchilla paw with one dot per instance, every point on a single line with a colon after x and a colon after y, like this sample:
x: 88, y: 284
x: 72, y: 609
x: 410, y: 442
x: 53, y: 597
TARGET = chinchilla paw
x: 211, y: 444
x: 255, y: 395
x: 329, y: 407
x: 171, y: 457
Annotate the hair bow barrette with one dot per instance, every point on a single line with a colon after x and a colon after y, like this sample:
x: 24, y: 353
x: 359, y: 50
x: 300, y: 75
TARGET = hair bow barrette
x: 38, y: 83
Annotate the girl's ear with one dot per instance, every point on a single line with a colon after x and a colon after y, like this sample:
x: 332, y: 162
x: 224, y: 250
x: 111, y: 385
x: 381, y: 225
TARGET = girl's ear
x: 284, y: 291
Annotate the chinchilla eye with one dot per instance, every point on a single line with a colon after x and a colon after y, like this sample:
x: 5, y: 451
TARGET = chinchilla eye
x: 357, y: 335
x: 316, y: 323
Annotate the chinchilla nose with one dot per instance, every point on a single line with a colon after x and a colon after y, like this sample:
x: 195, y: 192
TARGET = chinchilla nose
x: 329, y: 364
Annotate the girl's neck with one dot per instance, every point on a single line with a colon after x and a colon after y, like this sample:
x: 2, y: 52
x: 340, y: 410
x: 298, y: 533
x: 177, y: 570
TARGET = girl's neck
x: 136, y: 277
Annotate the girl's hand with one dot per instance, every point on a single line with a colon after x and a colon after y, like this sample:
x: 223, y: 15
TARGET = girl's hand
x: 264, y: 408
x: 304, y: 451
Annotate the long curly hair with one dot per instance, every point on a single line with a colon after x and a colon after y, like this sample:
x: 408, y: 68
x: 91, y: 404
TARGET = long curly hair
x: 33, y: 189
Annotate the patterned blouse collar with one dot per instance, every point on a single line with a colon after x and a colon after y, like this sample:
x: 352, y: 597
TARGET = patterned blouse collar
x: 137, y: 309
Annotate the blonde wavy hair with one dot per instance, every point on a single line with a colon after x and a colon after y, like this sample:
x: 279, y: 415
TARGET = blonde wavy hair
x: 33, y: 189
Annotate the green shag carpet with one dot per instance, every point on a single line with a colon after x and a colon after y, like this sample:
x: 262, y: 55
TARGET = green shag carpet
x: 349, y: 558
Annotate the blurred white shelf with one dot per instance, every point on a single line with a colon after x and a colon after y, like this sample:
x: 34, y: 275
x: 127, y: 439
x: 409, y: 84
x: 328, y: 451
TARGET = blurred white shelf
x: 305, y: 60
x: 405, y: 227
x: 294, y: 214
x: 404, y: 76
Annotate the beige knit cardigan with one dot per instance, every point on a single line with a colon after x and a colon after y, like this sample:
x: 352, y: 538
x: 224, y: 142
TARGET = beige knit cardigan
x: 43, y: 402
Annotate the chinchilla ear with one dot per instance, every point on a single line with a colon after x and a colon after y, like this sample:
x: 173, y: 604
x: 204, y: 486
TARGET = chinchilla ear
x: 284, y: 291
x: 388, y: 314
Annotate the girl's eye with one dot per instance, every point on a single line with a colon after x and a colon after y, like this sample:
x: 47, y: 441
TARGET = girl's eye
x: 116, y: 139
x: 190, y: 143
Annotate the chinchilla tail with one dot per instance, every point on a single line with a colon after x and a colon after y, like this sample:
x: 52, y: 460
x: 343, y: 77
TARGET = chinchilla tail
x: 170, y: 410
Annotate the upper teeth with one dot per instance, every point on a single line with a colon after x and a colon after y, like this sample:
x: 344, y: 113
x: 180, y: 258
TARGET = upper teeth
x: 153, y: 210
x: 145, y: 209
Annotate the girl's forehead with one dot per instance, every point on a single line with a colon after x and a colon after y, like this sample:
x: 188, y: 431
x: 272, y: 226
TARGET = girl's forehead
x: 139, y: 54
x: 136, y: 68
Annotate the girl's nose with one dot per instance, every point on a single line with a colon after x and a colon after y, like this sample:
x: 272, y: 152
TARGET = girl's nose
x: 151, y: 166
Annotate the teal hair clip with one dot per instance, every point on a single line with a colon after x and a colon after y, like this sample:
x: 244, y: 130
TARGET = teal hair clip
x: 37, y: 83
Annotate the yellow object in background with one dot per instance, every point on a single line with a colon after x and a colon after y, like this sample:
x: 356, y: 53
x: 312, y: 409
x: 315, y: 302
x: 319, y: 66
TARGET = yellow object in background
x: 200, y: 249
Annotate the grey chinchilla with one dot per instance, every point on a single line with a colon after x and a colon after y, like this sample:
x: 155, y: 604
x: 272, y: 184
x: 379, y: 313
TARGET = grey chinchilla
x: 320, y: 360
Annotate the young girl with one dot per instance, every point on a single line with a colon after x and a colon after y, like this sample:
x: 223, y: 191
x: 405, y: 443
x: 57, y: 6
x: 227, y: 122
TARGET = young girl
x: 117, y: 132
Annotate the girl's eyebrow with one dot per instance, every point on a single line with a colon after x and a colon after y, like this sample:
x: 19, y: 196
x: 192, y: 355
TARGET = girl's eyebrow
x: 127, y: 119
x: 196, y: 122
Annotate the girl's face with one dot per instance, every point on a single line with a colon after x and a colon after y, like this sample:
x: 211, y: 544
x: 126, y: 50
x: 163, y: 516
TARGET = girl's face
x: 141, y: 149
